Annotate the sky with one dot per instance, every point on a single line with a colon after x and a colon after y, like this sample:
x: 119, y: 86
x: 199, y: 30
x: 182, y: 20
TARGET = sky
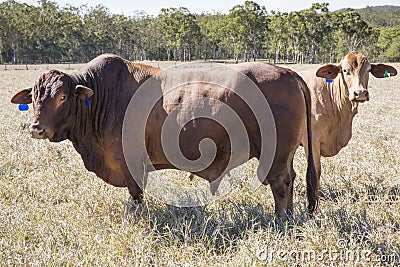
x: 152, y: 7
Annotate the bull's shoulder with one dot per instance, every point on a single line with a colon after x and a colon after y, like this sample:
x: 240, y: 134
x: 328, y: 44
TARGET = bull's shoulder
x: 264, y: 72
x: 260, y: 67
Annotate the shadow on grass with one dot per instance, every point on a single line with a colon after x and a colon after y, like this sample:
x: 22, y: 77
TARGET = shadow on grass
x: 356, y: 226
x: 356, y: 230
x: 222, y: 225
x: 217, y: 226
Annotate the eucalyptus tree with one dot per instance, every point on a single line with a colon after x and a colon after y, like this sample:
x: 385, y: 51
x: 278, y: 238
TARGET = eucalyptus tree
x: 47, y: 30
x: 389, y: 43
x: 314, y: 26
x: 296, y: 43
x: 353, y: 29
x: 45, y: 33
x: 12, y: 32
x: 71, y: 34
x: 147, y: 37
x: 181, y: 31
x: 98, y: 29
x: 213, y: 32
x: 247, y: 26
x: 277, y: 39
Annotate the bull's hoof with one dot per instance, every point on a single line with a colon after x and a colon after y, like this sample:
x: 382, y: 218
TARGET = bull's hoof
x: 137, y: 199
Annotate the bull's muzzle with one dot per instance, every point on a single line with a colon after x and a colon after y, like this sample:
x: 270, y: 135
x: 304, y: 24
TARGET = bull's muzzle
x: 37, y: 131
x: 359, y: 95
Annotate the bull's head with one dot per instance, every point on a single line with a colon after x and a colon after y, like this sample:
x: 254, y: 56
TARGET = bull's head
x: 53, y: 96
x: 353, y: 72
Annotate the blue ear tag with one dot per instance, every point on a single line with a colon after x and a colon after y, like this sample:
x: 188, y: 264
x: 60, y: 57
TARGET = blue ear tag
x: 23, y: 107
x: 386, y: 74
x: 87, y: 101
x: 329, y: 80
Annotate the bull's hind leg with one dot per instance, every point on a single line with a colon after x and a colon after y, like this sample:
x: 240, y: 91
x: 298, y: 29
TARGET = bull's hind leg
x: 292, y: 175
x: 282, y: 189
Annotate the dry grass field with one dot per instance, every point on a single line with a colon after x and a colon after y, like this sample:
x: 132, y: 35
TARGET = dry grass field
x: 53, y: 212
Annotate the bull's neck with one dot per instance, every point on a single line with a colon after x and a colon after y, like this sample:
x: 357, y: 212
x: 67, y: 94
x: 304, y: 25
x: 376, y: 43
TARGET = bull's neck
x: 342, y: 112
x: 83, y: 112
x: 100, y: 122
x: 88, y: 138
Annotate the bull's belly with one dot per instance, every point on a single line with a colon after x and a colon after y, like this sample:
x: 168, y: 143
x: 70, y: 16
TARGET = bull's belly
x: 221, y: 165
x: 114, y: 178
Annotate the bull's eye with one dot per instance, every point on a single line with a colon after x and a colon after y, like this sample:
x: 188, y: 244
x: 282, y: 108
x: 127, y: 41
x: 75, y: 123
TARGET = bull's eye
x: 63, y: 97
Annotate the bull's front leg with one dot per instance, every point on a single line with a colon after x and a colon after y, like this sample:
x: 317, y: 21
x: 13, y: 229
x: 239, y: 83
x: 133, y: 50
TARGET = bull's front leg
x: 134, y: 190
x: 136, y: 180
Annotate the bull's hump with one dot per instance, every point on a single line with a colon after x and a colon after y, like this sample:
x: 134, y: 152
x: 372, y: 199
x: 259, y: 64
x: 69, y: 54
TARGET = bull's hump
x: 103, y: 59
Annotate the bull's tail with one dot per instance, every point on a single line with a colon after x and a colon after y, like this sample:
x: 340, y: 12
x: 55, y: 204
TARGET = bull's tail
x: 311, y: 176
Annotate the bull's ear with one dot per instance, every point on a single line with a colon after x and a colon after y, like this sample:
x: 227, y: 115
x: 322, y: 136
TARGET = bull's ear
x: 83, y: 91
x: 22, y: 97
x: 329, y: 71
x: 382, y: 70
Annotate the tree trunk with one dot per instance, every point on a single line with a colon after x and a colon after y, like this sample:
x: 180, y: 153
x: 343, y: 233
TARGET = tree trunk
x: 14, y: 45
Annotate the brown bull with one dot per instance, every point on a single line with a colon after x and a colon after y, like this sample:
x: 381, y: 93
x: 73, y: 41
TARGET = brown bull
x: 110, y: 82
x: 336, y: 91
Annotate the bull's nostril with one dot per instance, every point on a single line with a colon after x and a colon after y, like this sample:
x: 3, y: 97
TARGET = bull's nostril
x: 37, y: 130
x: 40, y: 132
x: 355, y: 94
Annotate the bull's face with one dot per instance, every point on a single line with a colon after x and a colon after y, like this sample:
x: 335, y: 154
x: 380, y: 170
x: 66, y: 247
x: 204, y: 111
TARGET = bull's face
x: 353, y: 74
x: 53, y: 97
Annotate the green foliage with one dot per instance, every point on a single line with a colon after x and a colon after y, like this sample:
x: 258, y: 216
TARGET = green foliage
x: 215, y: 38
x: 180, y: 29
x: 354, y: 29
x: 246, y: 25
x: 381, y: 16
x: 389, y: 43
x: 46, y: 33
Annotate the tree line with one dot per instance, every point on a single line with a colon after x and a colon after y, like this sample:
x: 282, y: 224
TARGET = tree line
x: 49, y: 34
